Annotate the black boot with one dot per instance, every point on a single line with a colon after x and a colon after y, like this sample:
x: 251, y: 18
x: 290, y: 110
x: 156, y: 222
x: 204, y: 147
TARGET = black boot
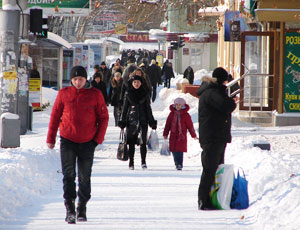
x: 70, y: 209
x: 81, y: 211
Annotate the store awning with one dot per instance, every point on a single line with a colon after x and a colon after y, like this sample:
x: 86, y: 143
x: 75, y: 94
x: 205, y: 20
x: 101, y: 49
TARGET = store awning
x: 54, y: 38
x: 277, y: 15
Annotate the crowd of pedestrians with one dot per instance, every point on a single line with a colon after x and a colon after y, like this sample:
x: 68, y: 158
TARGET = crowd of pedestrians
x: 80, y: 112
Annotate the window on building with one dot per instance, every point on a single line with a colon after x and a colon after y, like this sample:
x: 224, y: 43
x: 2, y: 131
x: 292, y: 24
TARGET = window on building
x: 50, y: 67
x: 196, y: 56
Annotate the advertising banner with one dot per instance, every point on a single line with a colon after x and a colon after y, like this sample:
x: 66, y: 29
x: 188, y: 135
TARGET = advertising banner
x: 35, y: 93
x: 292, y: 73
x: 61, y: 8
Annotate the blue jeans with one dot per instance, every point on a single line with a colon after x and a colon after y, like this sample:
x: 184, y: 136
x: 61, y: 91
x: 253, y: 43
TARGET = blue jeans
x: 178, y: 158
x: 83, y: 154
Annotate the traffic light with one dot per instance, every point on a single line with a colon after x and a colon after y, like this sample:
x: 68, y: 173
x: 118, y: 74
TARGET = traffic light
x: 174, y: 45
x: 44, y: 28
x: 36, y: 21
x: 181, y: 42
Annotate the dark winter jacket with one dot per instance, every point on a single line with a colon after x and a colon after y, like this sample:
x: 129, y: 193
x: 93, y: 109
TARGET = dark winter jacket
x: 106, y: 75
x: 115, y: 92
x: 148, y: 85
x: 214, y: 112
x: 189, y: 74
x: 177, y: 142
x: 154, y: 73
x: 167, y: 70
x: 79, y: 118
x: 125, y: 76
x: 102, y: 87
x: 136, y: 112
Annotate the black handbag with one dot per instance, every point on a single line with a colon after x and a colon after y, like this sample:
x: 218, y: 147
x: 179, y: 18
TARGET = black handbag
x: 122, y: 153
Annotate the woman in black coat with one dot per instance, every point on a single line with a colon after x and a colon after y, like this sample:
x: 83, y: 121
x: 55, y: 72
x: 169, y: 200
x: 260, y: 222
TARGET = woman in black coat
x: 214, y: 115
x: 154, y: 73
x: 189, y: 74
x: 167, y: 73
x: 114, y: 94
x: 99, y: 84
x: 136, y: 115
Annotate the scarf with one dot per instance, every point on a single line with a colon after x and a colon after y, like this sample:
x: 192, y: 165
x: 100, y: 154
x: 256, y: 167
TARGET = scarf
x: 175, y: 121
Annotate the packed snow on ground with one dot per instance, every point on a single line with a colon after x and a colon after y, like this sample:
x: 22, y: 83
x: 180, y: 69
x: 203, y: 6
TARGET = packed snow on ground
x: 160, y: 197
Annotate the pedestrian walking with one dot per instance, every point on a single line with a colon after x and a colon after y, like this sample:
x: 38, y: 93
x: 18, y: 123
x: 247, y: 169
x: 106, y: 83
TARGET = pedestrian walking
x: 114, y: 94
x: 136, y: 115
x: 167, y: 73
x: 96, y: 70
x: 106, y: 73
x: 178, y: 123
x: 140, y: 72
x: 154, y: 73
x: 81, y: 115
x: 189, y: 74
x: 214, y: 115
x: 99, y: 84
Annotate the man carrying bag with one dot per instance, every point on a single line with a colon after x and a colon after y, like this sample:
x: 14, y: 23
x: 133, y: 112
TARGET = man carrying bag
x: 214, y: 115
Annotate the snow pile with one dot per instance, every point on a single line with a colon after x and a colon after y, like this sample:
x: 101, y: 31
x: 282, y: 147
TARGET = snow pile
x: 25, y: 174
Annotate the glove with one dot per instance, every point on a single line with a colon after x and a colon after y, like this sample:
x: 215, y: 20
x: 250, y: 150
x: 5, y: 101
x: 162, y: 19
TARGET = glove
x: 121, y: 124
x: 153, y: 124
x: 94, y: 143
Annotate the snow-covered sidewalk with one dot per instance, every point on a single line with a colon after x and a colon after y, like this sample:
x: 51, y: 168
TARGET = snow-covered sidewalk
x: 157, y: 198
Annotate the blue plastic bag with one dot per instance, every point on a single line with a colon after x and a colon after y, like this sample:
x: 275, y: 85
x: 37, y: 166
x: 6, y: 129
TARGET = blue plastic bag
x: 239, y: 197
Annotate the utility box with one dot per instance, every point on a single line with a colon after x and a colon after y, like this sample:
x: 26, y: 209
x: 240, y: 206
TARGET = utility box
x: 10, y: 130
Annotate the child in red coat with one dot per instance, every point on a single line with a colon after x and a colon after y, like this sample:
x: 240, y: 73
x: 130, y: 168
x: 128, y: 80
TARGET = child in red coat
x: 178, y: 122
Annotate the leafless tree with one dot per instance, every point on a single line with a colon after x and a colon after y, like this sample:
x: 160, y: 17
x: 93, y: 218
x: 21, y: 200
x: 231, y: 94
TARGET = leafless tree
x: 139, y: 14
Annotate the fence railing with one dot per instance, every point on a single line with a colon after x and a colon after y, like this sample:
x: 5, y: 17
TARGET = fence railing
x: 256, y: 90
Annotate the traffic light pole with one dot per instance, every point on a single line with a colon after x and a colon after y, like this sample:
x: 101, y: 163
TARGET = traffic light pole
x: 9, y: 54
x: 14, y: 75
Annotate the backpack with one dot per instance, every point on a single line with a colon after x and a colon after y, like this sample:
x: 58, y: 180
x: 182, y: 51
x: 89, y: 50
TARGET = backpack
x: 239, y: 197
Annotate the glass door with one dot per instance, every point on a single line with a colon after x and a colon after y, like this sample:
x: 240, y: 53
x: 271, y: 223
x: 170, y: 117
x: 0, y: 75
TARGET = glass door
x: 257, y: 59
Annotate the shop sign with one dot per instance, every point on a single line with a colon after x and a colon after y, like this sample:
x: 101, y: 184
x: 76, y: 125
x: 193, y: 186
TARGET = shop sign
x: 35, y: 93
x: 185, y: 51
x: 61, y: 8
x: 170, y: 54
x: 292, y: 73
x: 120, y: 29
x: 136, y: 37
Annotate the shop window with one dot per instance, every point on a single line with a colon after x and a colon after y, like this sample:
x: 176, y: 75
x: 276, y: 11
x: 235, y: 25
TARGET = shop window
x: 196, y: 56
x: 50, y: 53
x: 50, y: 72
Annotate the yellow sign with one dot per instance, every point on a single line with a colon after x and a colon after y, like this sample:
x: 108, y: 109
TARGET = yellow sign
x: 34, y: 84
x: 160, y: 60
x: 120, y: 29
x: 11, y: 75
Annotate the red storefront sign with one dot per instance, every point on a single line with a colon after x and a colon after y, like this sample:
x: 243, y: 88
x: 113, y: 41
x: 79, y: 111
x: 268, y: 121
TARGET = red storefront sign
x: 136, y: 37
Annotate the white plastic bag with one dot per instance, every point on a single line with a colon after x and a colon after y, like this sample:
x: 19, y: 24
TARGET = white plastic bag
x: 165, y: 151
x: 153, y: 142
x: 220, y: 194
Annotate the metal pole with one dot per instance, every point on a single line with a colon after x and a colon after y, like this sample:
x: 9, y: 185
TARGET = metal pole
x: 9, y: 55
x: 281, y: 67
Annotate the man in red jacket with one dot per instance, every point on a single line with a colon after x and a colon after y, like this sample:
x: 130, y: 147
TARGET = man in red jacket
x: 81, y: 115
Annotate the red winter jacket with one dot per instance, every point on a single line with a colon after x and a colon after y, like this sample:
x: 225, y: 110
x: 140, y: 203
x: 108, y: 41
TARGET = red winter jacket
x: 176, y: 143
x: 80, y: 114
